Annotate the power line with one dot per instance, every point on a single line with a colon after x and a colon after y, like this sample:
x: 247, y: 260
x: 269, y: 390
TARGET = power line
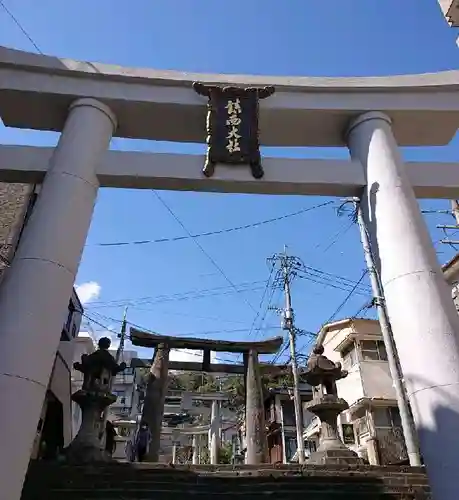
x: 268, y: 283
x: 105, y: 328
x: 267, y: 310
x: 196, y: 316
x: 286, y: 272
x: 315, y: 279
x: 19, y: 25
x: 343, y: 303
x: 211, y: 233
x: 336, y: 277
x: 193, y: 333
x: 196, y: 242
x: 367, y: 305
x: 165, y: 299
x: 192, y: 294
x: 335, y: 238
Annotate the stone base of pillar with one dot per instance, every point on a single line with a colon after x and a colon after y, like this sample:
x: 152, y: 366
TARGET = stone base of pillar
x: 340, y: 456
x: 331, y: 449
x: 86, y: 448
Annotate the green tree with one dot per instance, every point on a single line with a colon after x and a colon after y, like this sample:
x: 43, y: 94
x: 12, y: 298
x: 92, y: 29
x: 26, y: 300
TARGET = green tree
x: 225, y: 453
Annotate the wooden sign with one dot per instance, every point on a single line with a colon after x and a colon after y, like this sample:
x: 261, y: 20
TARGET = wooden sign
x: 232, y: 126
x: 348, y: 434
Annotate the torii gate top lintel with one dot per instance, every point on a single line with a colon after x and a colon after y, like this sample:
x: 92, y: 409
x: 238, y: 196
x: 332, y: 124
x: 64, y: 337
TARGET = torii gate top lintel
x: 38, y: 90
x: 145, y: 339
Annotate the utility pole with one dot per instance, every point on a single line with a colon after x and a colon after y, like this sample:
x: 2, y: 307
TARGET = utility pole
x: 455, y: 210
x: 119, y: 352
x: 406, y: 416
x: 455, y: 213
x: 287, y: 263
x: 122, y: 337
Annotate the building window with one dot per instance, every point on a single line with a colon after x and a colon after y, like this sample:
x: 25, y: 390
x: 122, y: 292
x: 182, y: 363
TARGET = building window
x: 361, y: 426
x: 387, y: 417
x: 120, y: 397
x: 288, y: 412
x: 349, y: 355
x: 373, y: 350
x: 310, y: 447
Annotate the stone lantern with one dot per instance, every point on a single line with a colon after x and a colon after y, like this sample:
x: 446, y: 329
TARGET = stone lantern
x: 322, y: 374
x: 95, y: 395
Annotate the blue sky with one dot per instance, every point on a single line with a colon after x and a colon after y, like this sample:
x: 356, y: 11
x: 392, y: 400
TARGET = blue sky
x: 294, y: 37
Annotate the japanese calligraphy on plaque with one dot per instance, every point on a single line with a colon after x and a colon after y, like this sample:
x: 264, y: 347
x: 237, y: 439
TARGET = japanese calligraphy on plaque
x: 232, y: 126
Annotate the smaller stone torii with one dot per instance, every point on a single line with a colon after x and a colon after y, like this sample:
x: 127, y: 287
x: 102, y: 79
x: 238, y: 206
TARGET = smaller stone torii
x: 157, y: 383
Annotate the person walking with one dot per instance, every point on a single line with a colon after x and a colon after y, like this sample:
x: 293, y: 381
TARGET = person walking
x: 142, y: 441
x: 110, y: 433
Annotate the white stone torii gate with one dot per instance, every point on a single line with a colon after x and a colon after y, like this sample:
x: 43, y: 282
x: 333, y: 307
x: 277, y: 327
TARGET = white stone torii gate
x: 89, y: 103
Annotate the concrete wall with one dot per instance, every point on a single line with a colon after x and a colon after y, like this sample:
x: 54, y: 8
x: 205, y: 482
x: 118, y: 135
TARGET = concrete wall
x: 376, y: 380
x: 14, y: 200
x: 350, y: 388
x: 60, y: 386
x: 81, y: 345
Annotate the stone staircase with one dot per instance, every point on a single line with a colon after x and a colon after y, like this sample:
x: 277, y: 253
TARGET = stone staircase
x: 123, y: 481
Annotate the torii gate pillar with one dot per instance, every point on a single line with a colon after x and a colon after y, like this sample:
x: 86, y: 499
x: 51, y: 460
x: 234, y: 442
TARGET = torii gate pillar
x: 38, y: 284
x: 424, y: 320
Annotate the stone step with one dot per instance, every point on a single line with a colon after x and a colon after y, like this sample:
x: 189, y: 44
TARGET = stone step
x: 274, y: 488
x: 140, y: 481
x: 122, y: 494
x: 234, y: 483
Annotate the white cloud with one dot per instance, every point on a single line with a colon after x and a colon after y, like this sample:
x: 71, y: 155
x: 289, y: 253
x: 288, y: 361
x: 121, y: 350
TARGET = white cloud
x: 88, y: 291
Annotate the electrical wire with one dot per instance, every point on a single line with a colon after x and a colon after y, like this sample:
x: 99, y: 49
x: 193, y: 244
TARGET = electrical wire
x: 367, y: 305
x: 196, y: 242
x: 344, y: 302
x: 195, y: 316
x: 192, y: 294
x: 268, y: 284
x: 330, y: 319
x: 336, y: 277
x: 267, y: 310
x: 189, y: 334
x: 312, y: 279
x: 211, y: 233
x: 335, y: 238
x: 20, y: 26
x: 107, y: 329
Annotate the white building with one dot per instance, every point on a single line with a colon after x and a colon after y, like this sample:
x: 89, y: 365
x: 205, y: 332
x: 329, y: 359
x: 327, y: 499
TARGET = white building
x: 82, y: 345
x: 124, y: 388
x: 371, y: 426
x: 55, y: 426
x: 281, y: 423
